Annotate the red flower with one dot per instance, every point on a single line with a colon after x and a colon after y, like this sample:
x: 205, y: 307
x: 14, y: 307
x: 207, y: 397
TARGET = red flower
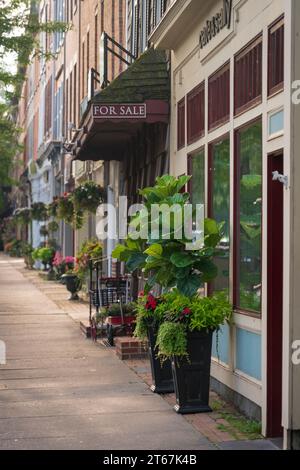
x: 151, y: 303
x: 187, y: 311
x: 141, y: 294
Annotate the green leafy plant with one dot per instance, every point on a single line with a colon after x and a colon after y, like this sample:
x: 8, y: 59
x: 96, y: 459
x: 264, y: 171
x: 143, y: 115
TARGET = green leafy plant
x: 14, y: 248
x: 39, y: 211
x: 115, y: 310
x: 23, y: 216
x: 88, y: 196
x: 172, y: 340
x: 166, y: 260
x: 66, y: 211
x: 44, y: 231
x: 45, y: 255
x: 189, y: 314
x: 53, y: 207
x: 27, y: 250
x: 90, y: 250
x: 53, y: 227
x: 148, y: 314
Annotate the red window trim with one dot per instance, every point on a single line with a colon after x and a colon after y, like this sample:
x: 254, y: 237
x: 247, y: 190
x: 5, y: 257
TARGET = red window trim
x: 181, y: 132
x: 197, y: 90
x: 238, y: 110
x: 236, y: 228
x: 278, y: 23
x: 224, y: 68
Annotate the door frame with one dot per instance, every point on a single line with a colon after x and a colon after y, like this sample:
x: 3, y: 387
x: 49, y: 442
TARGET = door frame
x: 275, y: 234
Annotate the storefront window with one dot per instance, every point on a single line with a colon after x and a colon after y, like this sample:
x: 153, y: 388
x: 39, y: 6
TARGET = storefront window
x: 196, y: 164
x: 219, y: 189
x: 196, y: 187
x: 249, y: 218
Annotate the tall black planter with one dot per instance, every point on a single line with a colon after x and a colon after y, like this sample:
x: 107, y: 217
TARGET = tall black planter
x: 161, y: 373
x: 192, y: 375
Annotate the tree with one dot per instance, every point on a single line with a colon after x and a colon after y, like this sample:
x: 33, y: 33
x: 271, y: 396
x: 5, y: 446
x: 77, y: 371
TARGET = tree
x: 19, y: 43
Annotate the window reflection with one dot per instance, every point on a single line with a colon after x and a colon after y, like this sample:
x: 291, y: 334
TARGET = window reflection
x: 220, y: 210
x: 249, y: 218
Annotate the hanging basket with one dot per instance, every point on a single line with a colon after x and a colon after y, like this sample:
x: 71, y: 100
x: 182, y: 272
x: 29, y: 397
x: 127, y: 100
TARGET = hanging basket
x: 23, y: 216
x: 88, y: 197
x: 39, y: 211
x: 66, y: 211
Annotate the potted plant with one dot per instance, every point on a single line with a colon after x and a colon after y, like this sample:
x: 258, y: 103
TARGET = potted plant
x: 174, y: 261
x: 23, y: 216
x: 44, y: 231
x: 90, y: 250
x: 150, y: 314
x: 119, y: 320
x: 52, y: 208
x: 62, y: 265
x: 88, y: 196
x: 27, y: 251
x: 72, y: 283
x: 45, y: 255
x: 185, y: 338
x: 53, y: 227
x: 66, y: 211
x: 39, y: 211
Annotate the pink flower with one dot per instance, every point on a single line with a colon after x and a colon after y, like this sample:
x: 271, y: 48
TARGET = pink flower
x: 58, y: 259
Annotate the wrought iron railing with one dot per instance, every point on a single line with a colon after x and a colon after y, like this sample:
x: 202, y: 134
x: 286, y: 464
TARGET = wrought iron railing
x: 101, y: 77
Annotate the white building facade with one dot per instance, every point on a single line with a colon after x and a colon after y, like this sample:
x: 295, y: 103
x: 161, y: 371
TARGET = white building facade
x: 233, y: 129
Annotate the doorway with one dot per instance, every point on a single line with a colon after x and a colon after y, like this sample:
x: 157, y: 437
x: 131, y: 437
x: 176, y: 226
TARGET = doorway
x: 275, y: 297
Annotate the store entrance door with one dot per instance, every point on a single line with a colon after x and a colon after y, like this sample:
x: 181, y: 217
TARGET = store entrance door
x: 275, y: 297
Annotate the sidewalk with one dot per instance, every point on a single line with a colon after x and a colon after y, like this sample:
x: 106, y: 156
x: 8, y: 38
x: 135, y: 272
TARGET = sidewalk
x: 61, y: 391
x: 94, y: 389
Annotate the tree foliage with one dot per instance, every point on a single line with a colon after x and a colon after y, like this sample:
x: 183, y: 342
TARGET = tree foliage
x: 19, y: 43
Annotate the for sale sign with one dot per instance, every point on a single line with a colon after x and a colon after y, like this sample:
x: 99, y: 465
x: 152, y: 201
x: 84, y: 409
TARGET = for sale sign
x: 120, y: 111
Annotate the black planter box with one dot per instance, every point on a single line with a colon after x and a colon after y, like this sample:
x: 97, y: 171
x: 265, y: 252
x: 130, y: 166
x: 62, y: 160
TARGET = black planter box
x: 192, y: 375
x: 162, y: 376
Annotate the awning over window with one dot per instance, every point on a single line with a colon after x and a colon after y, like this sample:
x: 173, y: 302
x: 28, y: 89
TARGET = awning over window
x: 139, y: 96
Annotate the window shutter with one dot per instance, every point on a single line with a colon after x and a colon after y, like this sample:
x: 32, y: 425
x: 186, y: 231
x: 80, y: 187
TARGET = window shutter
x: 248, y: 76
x: 276, y: 57
x: 219, y: 97
x: 181, y: 124
x: 195, y: 114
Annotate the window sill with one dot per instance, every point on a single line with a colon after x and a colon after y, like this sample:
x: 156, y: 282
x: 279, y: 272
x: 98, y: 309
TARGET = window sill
x: 276, y: 90
x: 219, y: 124
x: 180, y: 147
x: 247, y: 313
x: 192, y: 140
x: 246, y: 107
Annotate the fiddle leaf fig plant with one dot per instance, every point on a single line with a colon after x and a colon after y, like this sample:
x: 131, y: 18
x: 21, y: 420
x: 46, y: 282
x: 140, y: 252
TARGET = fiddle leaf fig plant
x: 162, y: 254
